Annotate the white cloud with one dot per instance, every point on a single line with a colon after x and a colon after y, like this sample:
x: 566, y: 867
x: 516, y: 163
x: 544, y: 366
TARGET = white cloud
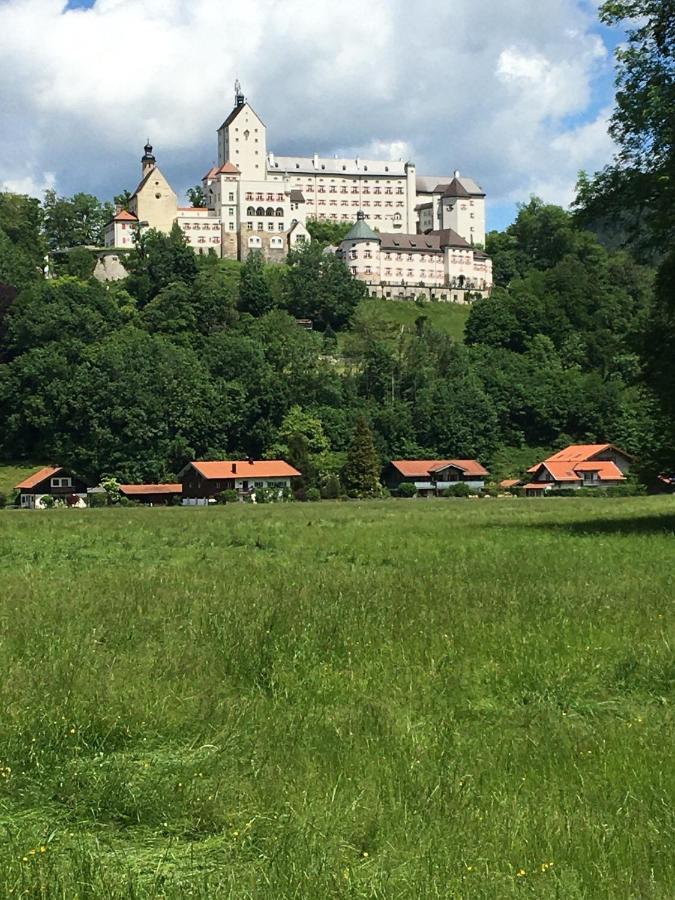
x: 486, y: 86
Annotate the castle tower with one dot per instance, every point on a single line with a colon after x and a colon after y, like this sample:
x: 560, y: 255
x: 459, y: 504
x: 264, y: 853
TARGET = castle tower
x: 242, y: 139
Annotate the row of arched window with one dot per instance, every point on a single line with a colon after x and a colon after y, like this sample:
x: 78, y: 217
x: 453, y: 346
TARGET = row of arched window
x: 260, y: 211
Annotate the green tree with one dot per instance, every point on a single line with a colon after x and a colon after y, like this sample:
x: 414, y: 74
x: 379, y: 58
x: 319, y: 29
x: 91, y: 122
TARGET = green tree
x: 321, y: 288
x: 361, y: 472
x: 196, y: 196
x: 255, y: 296
x: 158, y: 260
x: 326, y: 233
x: 74, y: 221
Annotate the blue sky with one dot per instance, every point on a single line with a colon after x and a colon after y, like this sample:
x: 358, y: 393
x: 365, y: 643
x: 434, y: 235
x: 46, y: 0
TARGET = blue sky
x: 515, y: 93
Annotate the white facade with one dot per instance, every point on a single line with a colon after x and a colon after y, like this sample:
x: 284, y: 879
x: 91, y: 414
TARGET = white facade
x: 256, y: 199
x: 439, y: 264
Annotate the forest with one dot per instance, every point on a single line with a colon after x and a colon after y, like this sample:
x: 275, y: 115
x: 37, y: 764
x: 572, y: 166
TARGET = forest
x: 197, y: 357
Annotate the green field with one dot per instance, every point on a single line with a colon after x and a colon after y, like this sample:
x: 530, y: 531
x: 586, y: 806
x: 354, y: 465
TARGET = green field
x: 395, y: 699
x: 389, y: 316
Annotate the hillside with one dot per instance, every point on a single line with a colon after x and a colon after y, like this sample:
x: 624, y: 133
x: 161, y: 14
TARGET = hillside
x: 12, y: 473
x: 389, y: 315
x: 387, y: 699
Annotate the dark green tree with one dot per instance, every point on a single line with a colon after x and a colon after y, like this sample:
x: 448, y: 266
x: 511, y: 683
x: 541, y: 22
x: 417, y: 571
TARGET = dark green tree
x: 74, y: 221
x: 255, y: 296
x: 196, y: 196
x: 361, y: 472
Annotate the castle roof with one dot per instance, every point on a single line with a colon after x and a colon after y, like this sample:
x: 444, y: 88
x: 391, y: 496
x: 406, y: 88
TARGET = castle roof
x: 361, y: 231
x: 456, y: 189
x: 235, y: 112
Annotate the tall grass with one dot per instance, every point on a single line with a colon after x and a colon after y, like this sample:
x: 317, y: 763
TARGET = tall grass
x: 385, y: 700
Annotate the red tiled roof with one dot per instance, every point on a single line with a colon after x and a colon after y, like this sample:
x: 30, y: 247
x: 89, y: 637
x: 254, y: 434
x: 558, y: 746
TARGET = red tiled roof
x: 606, y: 471
x: 537, y: 486
x: 228, y: 168
x: 37, y: 477
x: 212, y: 171
x: 242, y: 468
x: 561, y: 471
x: 509, y: 483
x: 125, y: 216
x: 151, y: 488
x: 422, y: 468
x: 578, y: 452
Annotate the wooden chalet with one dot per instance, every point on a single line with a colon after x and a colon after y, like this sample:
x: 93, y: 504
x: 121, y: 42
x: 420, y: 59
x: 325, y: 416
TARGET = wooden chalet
x: 433, y: 476
x: 53, y: 481
x: 202, y: 481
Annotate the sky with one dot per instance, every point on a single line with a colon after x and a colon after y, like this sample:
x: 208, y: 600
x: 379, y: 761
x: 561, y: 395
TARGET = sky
x: 514, y: 93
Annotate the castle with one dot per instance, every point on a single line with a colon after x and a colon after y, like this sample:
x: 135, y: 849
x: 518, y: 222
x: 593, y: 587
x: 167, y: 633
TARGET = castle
x: 256, y: 200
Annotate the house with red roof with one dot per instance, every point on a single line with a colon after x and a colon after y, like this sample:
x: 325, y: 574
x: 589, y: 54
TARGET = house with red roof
x: 580, y: 465
x: 52, y: 481
x: 433, y: 476
x: 203, y: 480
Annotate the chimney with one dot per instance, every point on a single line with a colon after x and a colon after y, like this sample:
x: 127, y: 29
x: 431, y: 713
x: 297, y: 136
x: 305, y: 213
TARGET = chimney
x: 234, y: 468
x: 250, y: 460
x: 316, y: 160
x: 456, y: 173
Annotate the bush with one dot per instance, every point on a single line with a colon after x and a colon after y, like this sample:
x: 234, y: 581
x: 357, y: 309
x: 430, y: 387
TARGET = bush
x: 459, y: 490
x: 98, y: 500
x: 3, y: 500
x: 407, y: 489
x: 331, y: 488
x: 312, y: 494
x: 47, y: 502
x: 228, y: 496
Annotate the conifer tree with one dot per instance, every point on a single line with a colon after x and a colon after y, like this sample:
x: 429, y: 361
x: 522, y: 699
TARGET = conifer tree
x: 361, y: 472
x: 254, y: 292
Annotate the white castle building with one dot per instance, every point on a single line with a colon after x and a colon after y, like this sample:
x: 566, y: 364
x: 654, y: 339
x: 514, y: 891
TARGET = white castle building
x: 256, y: 200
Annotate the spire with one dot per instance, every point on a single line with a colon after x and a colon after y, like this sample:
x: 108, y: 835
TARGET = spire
x: 148, y: 161
x: 239, y: 98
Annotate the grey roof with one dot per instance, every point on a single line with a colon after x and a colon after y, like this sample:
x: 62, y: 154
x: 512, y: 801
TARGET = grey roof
x: 433, y: 242
x: 331, y: 165
x: 455, y: 189
x: 361, y: 230
x: 434, y: 184
x: 297, y: 196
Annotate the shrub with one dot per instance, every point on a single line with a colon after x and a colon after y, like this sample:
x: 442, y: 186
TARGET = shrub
x: 459, y: 490
x: 3, y: 500
x: 312, y: 494
x: 47, y: 502
x: 97, y: 500
x: 227, y: 496
x: 331, y: 488
x: 407, y: 489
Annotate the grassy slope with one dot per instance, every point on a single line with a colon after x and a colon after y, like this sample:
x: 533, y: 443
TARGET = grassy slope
x: 392, y: 314
x: 398, y: 699
x: 12, y: 473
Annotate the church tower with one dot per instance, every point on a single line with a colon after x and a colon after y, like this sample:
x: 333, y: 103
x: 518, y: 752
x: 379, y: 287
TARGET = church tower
x: 242, y: 139
x: 148, y: 161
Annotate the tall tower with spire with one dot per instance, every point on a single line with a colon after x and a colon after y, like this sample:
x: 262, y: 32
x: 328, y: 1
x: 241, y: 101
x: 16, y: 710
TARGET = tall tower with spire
x: 148, y: 161
x: 242, y: 139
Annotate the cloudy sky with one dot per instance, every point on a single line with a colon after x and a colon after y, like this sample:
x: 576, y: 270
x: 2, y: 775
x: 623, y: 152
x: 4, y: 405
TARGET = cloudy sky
x: 515, y: 93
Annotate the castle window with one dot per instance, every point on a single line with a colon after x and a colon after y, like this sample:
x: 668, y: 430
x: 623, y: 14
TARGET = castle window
x: 260, y: 226
x: 281, y: 226
x: 231, y: 226
x: 250, y: 211
x: 280, y: 211
x: 249, y: 226
x: 260, y: 211
x: 231, y: 198
x: 270, y: 211
x: 249, y: 196
x: 270, y: 226
x: 158, y: 196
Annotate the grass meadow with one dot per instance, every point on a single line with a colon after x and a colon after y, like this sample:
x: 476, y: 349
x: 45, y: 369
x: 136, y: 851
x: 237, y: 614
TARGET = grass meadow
x: 396, y: 699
